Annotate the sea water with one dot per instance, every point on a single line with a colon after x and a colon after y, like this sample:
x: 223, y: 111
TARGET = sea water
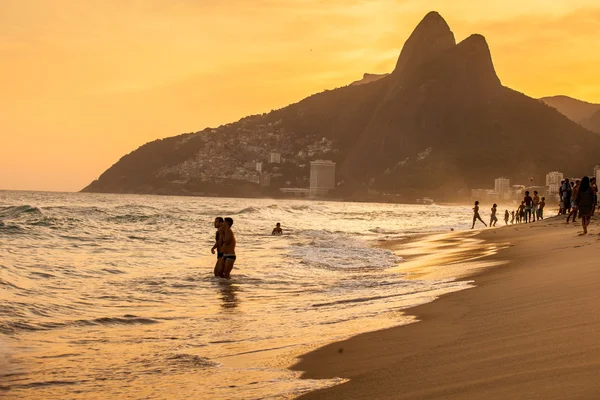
x: 113, y: 296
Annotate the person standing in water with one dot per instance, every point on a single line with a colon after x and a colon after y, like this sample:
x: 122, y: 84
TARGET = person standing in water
x: 228, y: 247
x: 476, y: 215
x: 493, y: 218
x: 586, y: 203
x: 277, y: 230
x: 218, y: 271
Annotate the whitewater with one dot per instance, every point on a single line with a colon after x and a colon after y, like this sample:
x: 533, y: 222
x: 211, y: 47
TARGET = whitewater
x: 112, y: 296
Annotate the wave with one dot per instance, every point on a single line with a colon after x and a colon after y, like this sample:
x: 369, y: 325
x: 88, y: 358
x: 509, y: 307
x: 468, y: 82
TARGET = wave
x: 16, y: 211
x: 12, y: 327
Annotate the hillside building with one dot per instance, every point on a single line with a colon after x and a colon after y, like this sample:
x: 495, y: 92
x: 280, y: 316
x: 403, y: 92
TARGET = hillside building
x: 322, y: 177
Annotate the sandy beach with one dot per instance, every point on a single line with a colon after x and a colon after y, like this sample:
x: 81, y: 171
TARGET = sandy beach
x: 527, y: 330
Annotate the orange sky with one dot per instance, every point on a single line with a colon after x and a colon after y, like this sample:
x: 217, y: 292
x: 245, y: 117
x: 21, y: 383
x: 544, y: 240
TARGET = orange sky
x: 84, y: 82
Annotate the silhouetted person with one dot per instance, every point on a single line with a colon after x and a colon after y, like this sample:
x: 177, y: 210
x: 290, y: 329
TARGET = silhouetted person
x: 541, y: 208
x: 561, y: 204
x: 595, y: 188
x: 521, y: 212
x: 528, y: 205
x: 218, y: 271
x: 228, y: 247
x: 574, y: 193
x: 566, y: 191
x: 476, y: 215
x: 512, y: 220
x: 536, y: 202
x: 277, y: 230
x: 493, y: 218
x: 506, y: 217
x: 586, y: 202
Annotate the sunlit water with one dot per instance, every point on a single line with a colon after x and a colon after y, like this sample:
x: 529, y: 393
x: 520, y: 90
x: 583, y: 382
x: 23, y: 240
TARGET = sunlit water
x: 112, y: 296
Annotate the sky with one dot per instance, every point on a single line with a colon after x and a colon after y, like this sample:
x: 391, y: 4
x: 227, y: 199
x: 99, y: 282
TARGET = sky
x: 84, y: 82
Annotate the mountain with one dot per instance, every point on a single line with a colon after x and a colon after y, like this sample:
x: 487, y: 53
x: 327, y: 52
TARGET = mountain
x: 593, y: 122
x: 582, y: 112
x: 440, y: 123
x: 368, y: 78
x: 576, y: 110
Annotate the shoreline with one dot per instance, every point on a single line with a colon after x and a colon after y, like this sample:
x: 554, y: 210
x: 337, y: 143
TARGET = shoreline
x: 515, y: 335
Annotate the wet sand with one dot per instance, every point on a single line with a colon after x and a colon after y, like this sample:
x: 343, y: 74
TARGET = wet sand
x: 528, y: 330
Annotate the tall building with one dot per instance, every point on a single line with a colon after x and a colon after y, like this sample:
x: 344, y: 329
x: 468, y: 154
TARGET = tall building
x: 501, y: 186
x: 275, y: 158
x: 554, y: 178
x: 322, y: 177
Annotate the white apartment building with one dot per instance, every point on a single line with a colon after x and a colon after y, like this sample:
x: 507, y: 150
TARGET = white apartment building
x: 554, y: 177
x: 322, y: 177
x: 501, y: 186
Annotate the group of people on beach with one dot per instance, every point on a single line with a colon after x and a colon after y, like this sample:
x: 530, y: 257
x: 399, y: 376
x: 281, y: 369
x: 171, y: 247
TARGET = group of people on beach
x: 576, y: 198
x: 531, y: 209
x: 579, y: 198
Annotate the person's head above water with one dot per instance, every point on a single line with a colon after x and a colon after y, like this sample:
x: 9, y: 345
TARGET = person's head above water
x: 218, y: 221
x: 229, y: 221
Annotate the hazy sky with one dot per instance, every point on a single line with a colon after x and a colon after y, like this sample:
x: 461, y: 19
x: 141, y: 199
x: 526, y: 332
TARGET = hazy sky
x: 83, y: 82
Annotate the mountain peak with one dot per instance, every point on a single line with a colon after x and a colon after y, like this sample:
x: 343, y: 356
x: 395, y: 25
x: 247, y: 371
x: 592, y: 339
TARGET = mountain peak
x: 431, y: 37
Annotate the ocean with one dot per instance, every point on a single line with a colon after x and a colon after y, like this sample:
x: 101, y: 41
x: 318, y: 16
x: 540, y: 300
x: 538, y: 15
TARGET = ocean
x: 113, y: 296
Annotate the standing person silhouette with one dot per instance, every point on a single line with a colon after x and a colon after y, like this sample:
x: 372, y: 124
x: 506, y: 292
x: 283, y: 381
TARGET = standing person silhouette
x: 476, y: 215
x: 586, y: 203
x: 228, y: 247
x: 506, y: 217
x: 528, y: 205
x: 541, y: 208
x: 218, y: 271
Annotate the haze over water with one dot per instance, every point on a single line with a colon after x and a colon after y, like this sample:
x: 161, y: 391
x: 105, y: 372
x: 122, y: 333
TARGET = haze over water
x: 112, y: 296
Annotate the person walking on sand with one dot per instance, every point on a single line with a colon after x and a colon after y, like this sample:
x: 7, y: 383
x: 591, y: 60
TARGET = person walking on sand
x: 506, y: 216
x: 493, y: 218
x: 574, y: 201
x: 228, y: 247
x: 586, y: 203
x: 218, y: 271
x: 277, y: 230
x: 476, y: 215
x: 512, y: 220
x: 541, y: 208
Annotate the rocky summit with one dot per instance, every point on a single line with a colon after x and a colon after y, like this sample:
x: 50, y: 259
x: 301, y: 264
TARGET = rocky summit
x: 440, y: 123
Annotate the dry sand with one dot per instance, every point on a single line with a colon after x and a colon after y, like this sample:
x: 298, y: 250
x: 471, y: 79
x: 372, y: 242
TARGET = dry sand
x: 530, y: 329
